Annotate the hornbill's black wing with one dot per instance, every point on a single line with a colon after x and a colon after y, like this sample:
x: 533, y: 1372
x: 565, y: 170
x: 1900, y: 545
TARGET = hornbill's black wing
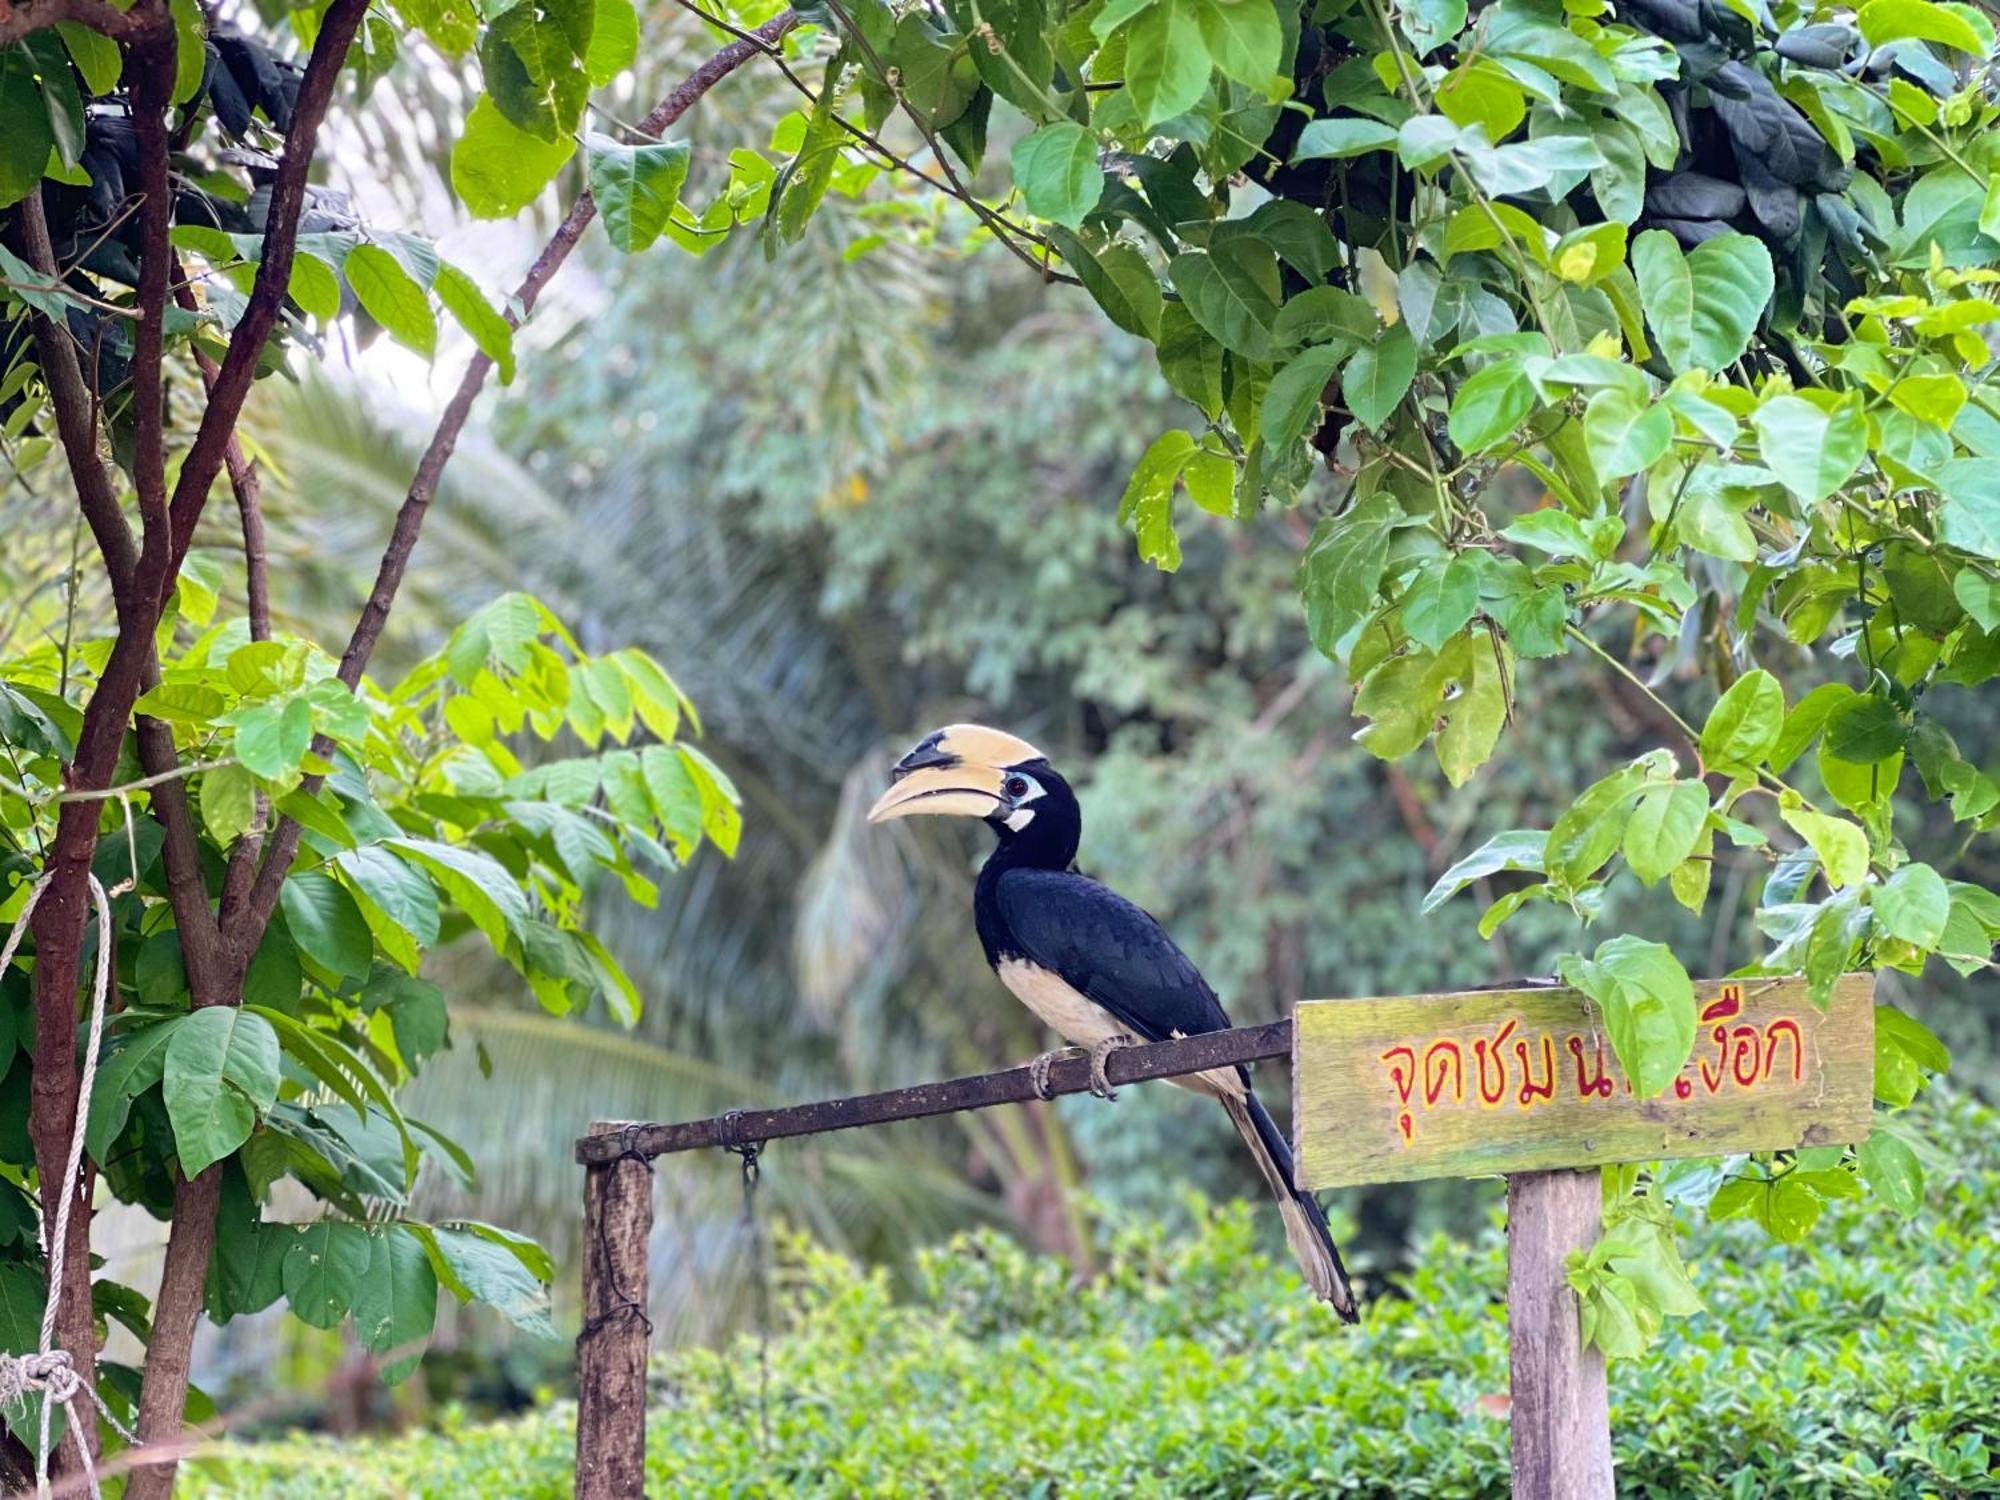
x: 1109, y: 950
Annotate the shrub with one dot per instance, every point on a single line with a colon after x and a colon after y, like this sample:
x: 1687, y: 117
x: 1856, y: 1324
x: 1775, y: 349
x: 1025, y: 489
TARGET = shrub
x: 1862, y: 1364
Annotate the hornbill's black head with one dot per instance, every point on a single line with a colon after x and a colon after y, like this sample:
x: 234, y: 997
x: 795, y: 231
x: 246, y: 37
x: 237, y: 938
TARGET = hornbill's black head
x: 971, y: 771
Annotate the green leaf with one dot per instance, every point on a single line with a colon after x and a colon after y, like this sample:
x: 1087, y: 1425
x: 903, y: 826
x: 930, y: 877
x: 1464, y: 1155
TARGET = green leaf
x: 1806, y: 719
x: 1841, y: 846
x: 26, y: 136
x: 1472, y: 676
x: 1057, y: 172
x: 1813, y: 452
x: 1883, y: 21
x: 1490, y: 406
x: 1590, y: 829
x: 96, y: 56
x: 614, y: 40
x: 477, y: 883
x: 1245, y: 40
x: 1233, y: 294
x: 484, y: 1270
x: 393, y: 298
x: 228, y: 802
x: 1148, y: 503
x: 1378, y: 376
x: 1702, y: 307
x: 636, y: 187
x: 221, y: 1071
x: 326, y: 924
x: 1429, y: 24
x: 1648, y: 1004
x: 1166, y: 59
x: 395, y: 889
x: 1978, y: 595
x: 132, y: 1062
x: 1324, y: 139
x: 1891, y: 1169
x: 1296, y: 394
x: 1912, y: 905
x: 1744, y: 725
x: 490, y: 333
x: 1517, y: 849
x: 1664, y: 828
x: 1624, y: 434
x: 1343, y: 567
x: 1970, y: 516
x: 498, y: 169
x: 395, y: 1303
x: 1440, y: 600
x: 1123, y: 284
x: 325, y: 1269
x: 1865, y: 729
x: 270, y: 742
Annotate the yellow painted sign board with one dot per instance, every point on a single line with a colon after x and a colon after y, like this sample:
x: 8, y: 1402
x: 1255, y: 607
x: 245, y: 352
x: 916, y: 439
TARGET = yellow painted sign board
x: 1392, y: 1090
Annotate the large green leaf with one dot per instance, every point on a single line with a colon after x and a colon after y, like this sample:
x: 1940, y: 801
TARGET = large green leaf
x: 635, y: 187
x: 1624, y: 433
x: 1245, y: 40
x: 1664, y: 827
x: 1702, y: 307
x: 326, y: 924
x: 325, y: 1269
x: 479, y: 1268
x: 221, y: 1071
x: 1166, y: 59
x: 1743, y: 726
x: 133, y: 1061
x: 1057, y: 172
x: 1913, y: 905
x: 25, y: 133
x: 1970, y: 516
x: 1490, y: 406
x: 1812, y: 451
x: 1293, y: 400
x: 392, y: 297
x: 1648, y: 1005
x: 498, y: 169
x: 1378, y: 376
x: 395, y: 1303
x: 477, y: 882
x: 1233, y: 294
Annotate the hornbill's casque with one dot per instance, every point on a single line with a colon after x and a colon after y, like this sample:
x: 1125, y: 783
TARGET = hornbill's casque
x: 1091, y: 965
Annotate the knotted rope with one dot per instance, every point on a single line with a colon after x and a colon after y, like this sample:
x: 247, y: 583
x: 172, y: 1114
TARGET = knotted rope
x: 50, y: 1370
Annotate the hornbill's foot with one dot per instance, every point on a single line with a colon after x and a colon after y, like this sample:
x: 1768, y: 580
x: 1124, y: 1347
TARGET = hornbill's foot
x: 1038, y: 1070
x: 1100, y: 1085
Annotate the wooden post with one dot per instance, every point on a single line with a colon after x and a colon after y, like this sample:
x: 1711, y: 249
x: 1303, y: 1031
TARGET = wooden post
x: 611, y: 1350
x: 1561, y: 1423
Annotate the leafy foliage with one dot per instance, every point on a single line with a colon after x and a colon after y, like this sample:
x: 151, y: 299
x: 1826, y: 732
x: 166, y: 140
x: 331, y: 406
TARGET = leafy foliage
x: 1195, y: 1366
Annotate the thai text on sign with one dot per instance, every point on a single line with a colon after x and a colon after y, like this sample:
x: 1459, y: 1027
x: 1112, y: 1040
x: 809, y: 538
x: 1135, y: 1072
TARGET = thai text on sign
x: 1392, y: 1090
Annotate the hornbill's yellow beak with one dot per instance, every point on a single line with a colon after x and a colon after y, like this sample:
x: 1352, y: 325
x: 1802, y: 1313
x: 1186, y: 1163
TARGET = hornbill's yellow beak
x: 958, y: 770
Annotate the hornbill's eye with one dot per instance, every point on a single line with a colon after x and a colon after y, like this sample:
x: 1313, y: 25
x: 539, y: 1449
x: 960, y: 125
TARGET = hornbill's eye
x: 1015, y: 786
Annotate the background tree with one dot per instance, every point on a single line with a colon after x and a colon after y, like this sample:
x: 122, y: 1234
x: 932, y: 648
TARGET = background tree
x: 308, y: 834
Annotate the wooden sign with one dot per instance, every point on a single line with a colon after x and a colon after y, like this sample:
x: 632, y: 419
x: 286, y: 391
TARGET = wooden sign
x: 1522, y: 1080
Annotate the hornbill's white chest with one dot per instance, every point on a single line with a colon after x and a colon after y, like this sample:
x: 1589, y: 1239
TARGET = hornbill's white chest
x: 1057, y: 1004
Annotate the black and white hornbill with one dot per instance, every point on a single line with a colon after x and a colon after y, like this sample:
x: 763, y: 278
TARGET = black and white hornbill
x: 1091, y: 966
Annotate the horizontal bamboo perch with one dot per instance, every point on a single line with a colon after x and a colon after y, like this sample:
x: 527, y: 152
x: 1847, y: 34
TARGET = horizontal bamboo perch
x: 1070, y: 1075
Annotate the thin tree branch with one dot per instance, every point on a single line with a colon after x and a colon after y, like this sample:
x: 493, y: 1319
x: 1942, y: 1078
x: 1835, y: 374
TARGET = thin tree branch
x: 76, y: 411
x: 152, y: 84
x: 245, y: 923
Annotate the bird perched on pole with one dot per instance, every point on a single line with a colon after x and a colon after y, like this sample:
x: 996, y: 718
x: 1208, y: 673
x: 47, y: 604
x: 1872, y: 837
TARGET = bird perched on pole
x: 1092, y: 967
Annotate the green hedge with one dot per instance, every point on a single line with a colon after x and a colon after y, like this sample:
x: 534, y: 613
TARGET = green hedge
x: 1867, y: 1363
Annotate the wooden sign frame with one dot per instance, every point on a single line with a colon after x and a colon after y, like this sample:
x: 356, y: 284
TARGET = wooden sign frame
x: 1520, y: 1080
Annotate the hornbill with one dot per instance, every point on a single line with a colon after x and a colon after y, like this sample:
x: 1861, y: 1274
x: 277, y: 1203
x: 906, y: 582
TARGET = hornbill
x: 1090, y: 965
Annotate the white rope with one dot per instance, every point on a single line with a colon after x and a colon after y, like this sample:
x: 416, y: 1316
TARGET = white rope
x: 52, y: 1371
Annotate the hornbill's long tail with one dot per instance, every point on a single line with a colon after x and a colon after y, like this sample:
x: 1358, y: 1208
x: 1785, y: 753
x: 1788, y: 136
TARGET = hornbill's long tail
x: 1305, y: 1223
